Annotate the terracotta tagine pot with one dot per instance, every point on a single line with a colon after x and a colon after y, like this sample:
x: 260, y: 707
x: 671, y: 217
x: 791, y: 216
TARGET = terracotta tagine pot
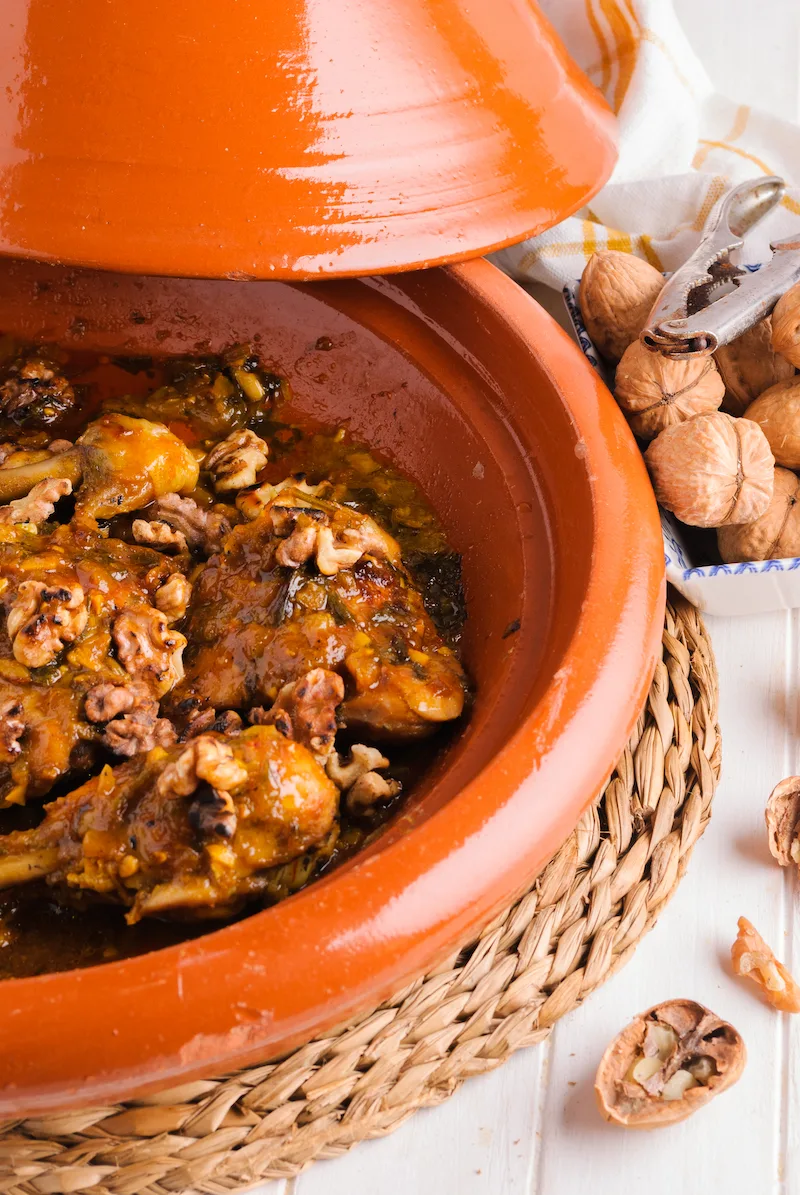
x: 454, y: 374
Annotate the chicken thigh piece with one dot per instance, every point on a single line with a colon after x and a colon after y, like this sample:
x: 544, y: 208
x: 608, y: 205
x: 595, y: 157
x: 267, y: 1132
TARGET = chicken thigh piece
x: 121, y: 464
x: 195, y: 829
x: 310, y: 583
x: 86, y: 648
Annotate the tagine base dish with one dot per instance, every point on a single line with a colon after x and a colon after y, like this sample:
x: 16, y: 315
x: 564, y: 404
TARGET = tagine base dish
x: 601, y: 893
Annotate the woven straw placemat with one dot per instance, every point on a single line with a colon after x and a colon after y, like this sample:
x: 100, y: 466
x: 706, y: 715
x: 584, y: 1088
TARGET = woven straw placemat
x: 576, y: 925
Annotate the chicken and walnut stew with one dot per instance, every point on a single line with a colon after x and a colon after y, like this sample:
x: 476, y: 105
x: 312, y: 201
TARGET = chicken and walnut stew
x: 226, y: 644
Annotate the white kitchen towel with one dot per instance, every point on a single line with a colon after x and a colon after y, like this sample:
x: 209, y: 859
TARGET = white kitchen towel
x: 681, y: 145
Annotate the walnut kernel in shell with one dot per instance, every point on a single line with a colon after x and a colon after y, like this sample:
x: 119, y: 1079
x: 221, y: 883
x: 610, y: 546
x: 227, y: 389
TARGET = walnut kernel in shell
x: 752, y: 958
x: 657, y: 392
x: 616, y: 294
x: 786, y: 325
x: 712, y: 470
x: 777, y: 412
x: 666, y: 1064
x: 773, y: 536
x: 749, y: 365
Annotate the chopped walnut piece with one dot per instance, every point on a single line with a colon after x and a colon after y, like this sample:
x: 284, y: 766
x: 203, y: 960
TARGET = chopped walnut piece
x: 39, y: 504
x: 236, y: 460
x: 666, y: 1064
x: 6, y: 450
x: 306, y: 710
x: 337, y: 536
x: 105, y: 701
x: 12, y: 728
x: 172, y: 597
x: 139, y: 728
x: 202, y: 529
x: 752, y: 957
x: 204, y: 758
x: 332, y: 556
x: 362, y: 759
x: 369, y: 789
x: 35, y: 382
x: 228, y: 722
x: 783, y: 821
x: 42, y: 619
x: 299, y: 546
x: 159, y: 535
x: 253, y: 502
x: 59, y: 446
x: 359, y: 777
x: 148, y: 648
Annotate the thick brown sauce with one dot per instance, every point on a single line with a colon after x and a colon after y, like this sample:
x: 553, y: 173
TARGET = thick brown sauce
x: 38, y: 935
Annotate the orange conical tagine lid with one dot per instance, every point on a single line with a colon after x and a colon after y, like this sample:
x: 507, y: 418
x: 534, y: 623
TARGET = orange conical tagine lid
x: 287, y: 138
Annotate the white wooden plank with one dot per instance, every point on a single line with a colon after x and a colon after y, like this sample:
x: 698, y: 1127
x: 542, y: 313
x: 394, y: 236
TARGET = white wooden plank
x: 731, y: 874
x: 483, y: 1141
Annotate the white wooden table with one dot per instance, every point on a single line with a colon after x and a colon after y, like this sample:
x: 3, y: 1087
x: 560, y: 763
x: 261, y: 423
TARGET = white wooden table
x: 531, y: 1127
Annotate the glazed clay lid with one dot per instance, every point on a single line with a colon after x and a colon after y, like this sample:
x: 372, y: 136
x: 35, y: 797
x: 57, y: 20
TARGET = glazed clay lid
x: 288, y: 138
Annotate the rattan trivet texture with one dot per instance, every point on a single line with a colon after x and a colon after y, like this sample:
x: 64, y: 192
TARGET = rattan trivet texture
x: 575, y: 926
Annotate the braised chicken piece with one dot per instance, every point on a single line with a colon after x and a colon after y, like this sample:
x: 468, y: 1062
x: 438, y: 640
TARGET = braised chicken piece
x: 86, y: 646
x: 310, y: 583
x: 121, y: 463
x: 195, y: 829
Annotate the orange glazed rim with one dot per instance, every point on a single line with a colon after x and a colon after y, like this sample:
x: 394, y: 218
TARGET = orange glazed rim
x: 293, y: 139
x: 260, y: 987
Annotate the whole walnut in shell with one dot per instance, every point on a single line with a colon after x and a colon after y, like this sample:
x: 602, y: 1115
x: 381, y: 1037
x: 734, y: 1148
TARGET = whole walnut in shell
x: 773, y: 536
x: 777, y: 411
x: 749, y: 365
x: 657, y: 392
x: 616, y: 294
x: 786, y: 325
x: 666, y: 1064
x: 712, y: 470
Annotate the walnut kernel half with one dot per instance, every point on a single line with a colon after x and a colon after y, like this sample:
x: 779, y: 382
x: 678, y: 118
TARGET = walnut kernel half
x: 751, y: 957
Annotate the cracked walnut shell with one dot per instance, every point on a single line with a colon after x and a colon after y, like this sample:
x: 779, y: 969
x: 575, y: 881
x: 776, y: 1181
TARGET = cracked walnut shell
x: 782, y: 816
x: 712, y: 470
x: 775, y: 534
x: 666, y: 1064
x: 786, y: 325
x: 616, y: 294
x: 777, y: 412
x: 752, y: 958
x: 657, y: 392
x: 749, y: 365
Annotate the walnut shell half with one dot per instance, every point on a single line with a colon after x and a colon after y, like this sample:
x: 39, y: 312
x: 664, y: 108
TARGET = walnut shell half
x: 777, y: 412
x: 782, y: 816
x: 773, y: 536
x: 786, y: 325
x: 666, y: 1064
x: 712, y: 470
x: 616, y: 293
x: 657, y: 392
x: 749, y: 365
